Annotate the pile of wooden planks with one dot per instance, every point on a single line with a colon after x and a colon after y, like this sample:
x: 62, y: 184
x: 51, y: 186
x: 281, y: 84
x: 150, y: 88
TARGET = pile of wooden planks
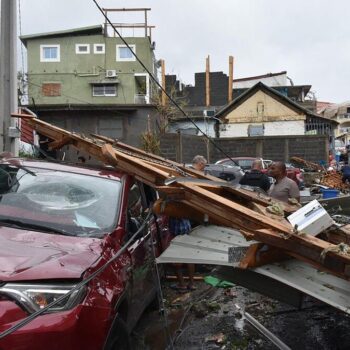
x: 333, y: 179
x: 306, y: 164
x: 189, y: 193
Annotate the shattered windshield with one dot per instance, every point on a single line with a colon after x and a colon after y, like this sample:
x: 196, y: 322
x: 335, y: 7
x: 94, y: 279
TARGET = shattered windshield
x: 57, y: 201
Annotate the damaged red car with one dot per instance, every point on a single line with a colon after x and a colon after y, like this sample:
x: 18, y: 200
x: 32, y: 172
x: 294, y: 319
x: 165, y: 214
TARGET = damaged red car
x: 58, y: 225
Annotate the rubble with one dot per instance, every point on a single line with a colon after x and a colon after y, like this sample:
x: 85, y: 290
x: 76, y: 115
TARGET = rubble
x: 306, y: 164
x: 334, y: 180
x: 203, y: 198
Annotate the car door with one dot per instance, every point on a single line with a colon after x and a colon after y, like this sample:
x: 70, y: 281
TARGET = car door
x: 140, y: 251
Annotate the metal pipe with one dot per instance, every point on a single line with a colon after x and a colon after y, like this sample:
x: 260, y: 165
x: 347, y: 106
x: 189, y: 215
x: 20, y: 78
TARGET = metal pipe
x: 263, y: 330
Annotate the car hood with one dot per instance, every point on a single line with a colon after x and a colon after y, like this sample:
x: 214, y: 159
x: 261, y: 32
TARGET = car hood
x: 29, y: 255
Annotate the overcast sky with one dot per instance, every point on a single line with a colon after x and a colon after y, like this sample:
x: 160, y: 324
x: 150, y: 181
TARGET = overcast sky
x: 310, y: 39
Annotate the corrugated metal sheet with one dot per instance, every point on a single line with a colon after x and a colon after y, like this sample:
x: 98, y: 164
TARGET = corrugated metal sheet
x: 210, y: 244
x: 27, y: 132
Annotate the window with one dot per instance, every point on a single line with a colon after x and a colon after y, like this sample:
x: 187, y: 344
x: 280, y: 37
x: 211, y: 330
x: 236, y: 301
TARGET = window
x: 82, y: 48
x: 256, y: 130
x: 124, y: 54
x: 49, y: 53
x: 51, y: 89
x: 104, y: 90
x: 99, y: 48
x: 347, y: 109
x: 260, y: 108
x: 135, y: 212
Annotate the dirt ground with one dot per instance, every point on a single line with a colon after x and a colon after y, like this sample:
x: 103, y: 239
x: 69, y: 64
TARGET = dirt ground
x: 208, y: 318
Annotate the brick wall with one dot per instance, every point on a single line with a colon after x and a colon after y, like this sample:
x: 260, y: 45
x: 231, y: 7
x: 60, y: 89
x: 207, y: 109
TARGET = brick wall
x: 184, y: 147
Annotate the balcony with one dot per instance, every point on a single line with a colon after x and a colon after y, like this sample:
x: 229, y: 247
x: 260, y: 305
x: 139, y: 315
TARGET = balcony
x: 141, y: 99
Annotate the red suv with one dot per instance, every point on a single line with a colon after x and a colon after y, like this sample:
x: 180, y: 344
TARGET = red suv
x: 58, y: 225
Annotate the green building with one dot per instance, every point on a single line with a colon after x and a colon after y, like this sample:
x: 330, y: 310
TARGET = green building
x: 86, y: 81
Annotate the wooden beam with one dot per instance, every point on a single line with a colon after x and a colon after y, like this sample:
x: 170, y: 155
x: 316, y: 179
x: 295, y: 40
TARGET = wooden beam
x: 207, y: 81
x: 23, y: 116
x: 164, y: 97
x: 60, y: 143
x: 127, y: 9
x: 230, y: 78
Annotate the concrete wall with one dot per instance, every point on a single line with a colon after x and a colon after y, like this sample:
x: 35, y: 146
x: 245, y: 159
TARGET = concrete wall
x: 124, y: 125
x: 184, y: 147
x: 76, y: 72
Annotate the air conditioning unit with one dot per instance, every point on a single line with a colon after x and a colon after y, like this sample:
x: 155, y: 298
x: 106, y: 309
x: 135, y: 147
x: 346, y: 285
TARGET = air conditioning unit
x: 209, y: 112
x: 111, y: 73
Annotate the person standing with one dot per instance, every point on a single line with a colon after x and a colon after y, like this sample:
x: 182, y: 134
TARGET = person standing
x: 284, y: 188
x: 255, y: 177
x: 178, y: 227
x: 199, y: 163
x: 346, y: 173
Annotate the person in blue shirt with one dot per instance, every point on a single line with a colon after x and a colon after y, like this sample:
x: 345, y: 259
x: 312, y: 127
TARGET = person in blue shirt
x: 182, y: 227
x: 346, y: 173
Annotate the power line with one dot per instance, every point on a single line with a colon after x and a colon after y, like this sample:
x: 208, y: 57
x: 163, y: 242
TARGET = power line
x: 158, y: 84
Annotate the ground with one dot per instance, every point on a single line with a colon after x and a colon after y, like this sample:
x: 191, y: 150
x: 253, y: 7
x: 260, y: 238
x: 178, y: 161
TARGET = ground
x: 208, y: 318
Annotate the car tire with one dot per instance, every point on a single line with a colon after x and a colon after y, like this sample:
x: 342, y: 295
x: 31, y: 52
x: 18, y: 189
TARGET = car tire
x: 119, y: 339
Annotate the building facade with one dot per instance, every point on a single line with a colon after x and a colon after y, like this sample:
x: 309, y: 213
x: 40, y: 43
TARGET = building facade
x: 219, y: 82
x: 87, y: 81
x: 263, y: 111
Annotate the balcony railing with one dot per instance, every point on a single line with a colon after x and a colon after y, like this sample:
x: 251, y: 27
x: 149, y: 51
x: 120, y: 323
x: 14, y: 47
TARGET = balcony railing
x: 141, y: 99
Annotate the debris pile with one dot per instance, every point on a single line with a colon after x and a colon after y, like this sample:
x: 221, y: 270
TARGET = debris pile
x: 334, y: 180
x: 187, y: 193
x: 306, y: 164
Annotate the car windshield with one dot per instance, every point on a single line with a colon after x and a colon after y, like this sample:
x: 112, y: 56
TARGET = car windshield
x: 58, y: 201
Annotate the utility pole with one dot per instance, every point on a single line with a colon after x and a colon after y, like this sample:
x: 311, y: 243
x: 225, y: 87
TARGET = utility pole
x: 9, y: 134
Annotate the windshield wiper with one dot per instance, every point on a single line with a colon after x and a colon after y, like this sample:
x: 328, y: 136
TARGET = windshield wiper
x: 37, y: 227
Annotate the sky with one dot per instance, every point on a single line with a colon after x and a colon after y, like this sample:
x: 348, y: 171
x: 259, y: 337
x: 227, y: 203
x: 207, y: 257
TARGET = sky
x: 309, y: 39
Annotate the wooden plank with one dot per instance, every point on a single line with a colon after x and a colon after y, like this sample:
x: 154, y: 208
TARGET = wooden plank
x: 230, y: 78
x: 60, y: 143
x: 22, y: 116
x: 309, y: 247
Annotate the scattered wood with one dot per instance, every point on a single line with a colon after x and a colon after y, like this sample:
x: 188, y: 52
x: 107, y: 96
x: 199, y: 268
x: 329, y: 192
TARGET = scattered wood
x: 306, y: 164
x: 221, y: 205
x: 334, y: 180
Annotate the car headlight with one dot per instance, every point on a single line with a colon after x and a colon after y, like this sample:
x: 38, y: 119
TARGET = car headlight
x: 34, y: 297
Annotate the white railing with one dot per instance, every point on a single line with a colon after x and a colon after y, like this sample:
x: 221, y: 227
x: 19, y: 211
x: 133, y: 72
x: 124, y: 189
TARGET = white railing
x: 141, y: 99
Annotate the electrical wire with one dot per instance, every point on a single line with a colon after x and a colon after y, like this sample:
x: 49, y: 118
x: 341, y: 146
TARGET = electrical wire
x: 160, y: 294
x: 80, y: 284
x: 159, y: 85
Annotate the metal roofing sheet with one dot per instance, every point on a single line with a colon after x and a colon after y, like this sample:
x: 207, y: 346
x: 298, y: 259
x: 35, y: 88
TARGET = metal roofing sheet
x: 210, y: 244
